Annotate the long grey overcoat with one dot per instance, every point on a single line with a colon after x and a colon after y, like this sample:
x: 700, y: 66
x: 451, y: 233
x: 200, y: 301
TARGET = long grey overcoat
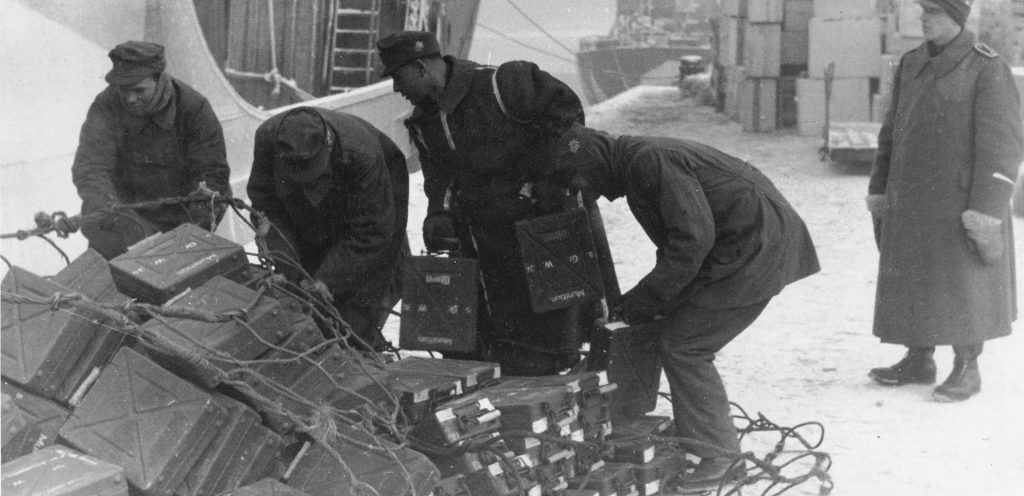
x: 950, y: 142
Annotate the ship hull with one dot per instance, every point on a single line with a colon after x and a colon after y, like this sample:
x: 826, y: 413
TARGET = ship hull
x: 607, y: 72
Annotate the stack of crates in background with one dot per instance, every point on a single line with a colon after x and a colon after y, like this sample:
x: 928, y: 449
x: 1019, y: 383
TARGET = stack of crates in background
x: 847, y: 33
x: 761, y: 49
x: 772, y: 54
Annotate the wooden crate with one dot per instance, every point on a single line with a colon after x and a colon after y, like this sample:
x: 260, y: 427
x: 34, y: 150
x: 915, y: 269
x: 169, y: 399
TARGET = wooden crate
x: 855, y: 45
x: 793, y: 49
x: 843, y: 9
x: 758, y: 100
x: 765, y: 11
x: 730, y: 41
x: 762, y: 48
x: 796, y: 14
x: 735, y: 8
x: 851, y: 101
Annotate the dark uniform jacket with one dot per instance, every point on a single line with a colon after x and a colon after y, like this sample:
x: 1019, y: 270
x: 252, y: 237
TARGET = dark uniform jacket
x: 725, y: 236
x: 354, y: 241
x: 479, y: 146
x: 950, y: 142
x: 127, y: 159
x: 482, y: 138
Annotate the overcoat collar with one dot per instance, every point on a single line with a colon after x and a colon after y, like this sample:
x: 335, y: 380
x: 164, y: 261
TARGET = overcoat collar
x: 946, y: 61
x: 459, y: 83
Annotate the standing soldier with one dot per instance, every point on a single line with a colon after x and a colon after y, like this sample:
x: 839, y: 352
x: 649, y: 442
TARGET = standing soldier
x: 939, y: 194
x: 337, y: 192
x: 147, y: 137
x: 479, y: 130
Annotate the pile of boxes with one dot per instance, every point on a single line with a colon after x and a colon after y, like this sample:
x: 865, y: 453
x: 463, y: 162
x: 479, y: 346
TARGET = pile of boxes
x: 772, y: 56
x: 209, y: 397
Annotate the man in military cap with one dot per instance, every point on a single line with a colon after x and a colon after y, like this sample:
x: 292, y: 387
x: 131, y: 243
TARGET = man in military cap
x: 478, y: 130
x: 939, y: 195
x: 146, y: 137
x: 337, y: 192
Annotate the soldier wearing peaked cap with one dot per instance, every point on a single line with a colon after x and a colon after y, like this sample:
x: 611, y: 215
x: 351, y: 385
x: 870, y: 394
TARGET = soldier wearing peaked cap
x: 939, y: 195
x: 146, y: 137
x: 337, y: 191
x: 478, y: 130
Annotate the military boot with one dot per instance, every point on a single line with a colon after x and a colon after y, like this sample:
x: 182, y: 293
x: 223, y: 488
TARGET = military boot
x: 964, y: 380
x: 916, y: 367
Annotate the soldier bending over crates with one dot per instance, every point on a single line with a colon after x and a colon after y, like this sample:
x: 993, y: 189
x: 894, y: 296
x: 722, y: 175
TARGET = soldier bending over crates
x: 727, y: 242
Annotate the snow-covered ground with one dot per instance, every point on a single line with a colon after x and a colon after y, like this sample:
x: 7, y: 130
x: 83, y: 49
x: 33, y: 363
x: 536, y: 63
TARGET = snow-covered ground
x: 807, y: 356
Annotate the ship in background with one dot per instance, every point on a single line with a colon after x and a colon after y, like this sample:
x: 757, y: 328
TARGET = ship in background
x: 648, y: 42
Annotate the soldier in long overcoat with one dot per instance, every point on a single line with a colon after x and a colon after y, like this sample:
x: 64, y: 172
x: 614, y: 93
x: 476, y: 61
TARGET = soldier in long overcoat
x: 948, y: 153
x: 727, y: 242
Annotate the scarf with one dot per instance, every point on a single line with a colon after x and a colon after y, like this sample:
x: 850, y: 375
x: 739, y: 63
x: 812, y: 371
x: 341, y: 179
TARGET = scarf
x: 161, y: 99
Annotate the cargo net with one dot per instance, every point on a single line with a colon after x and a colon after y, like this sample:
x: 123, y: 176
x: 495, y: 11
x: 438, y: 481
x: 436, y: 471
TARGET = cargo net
x: 374, y: 421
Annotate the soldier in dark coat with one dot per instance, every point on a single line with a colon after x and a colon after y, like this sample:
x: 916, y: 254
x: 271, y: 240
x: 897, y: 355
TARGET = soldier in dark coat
x: 146, y: 137
x: 337, y: 192
x: 479, y: 130
x: 727, y: 242
x: 947, y: 157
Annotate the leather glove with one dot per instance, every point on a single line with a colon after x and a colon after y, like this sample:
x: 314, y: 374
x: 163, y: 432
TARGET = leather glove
x: 876, y: 205
x: 984, y: 235
x: 639, y: 304
x: 439, y: 232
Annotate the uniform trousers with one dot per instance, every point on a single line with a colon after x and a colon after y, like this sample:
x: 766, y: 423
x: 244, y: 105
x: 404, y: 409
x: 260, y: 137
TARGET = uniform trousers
x: 690, y: 338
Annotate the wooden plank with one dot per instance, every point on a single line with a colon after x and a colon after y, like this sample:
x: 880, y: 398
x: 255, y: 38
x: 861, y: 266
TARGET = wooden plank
x: 765, y: 11
x: 733, y: 77
x: 237, y: 19
x: 758, y: 104
x: 762, y: 49
x: 730, y: 51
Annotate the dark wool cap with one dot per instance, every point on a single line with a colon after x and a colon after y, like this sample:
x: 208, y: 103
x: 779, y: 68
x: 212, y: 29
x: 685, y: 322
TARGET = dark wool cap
x: 135, y: 61
x: 402, y: 47
x: 304, y: 141
x: 957, y: 9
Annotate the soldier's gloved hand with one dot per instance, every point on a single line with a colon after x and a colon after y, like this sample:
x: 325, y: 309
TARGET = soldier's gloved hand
x: 639, y: 304
x: 876, y: 205
x: 984, y: 235
x: 439, y: 232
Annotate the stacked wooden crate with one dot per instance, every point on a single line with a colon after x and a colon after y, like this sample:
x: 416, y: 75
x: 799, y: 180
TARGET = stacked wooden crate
x: 848, y: 34
x: 762, y: 45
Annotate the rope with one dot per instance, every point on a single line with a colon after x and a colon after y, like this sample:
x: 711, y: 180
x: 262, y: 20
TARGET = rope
x: 542, y: 30
x: 526, y: 45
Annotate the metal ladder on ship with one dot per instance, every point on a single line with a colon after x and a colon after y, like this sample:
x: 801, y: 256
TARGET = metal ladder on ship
x: 354, y: 46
